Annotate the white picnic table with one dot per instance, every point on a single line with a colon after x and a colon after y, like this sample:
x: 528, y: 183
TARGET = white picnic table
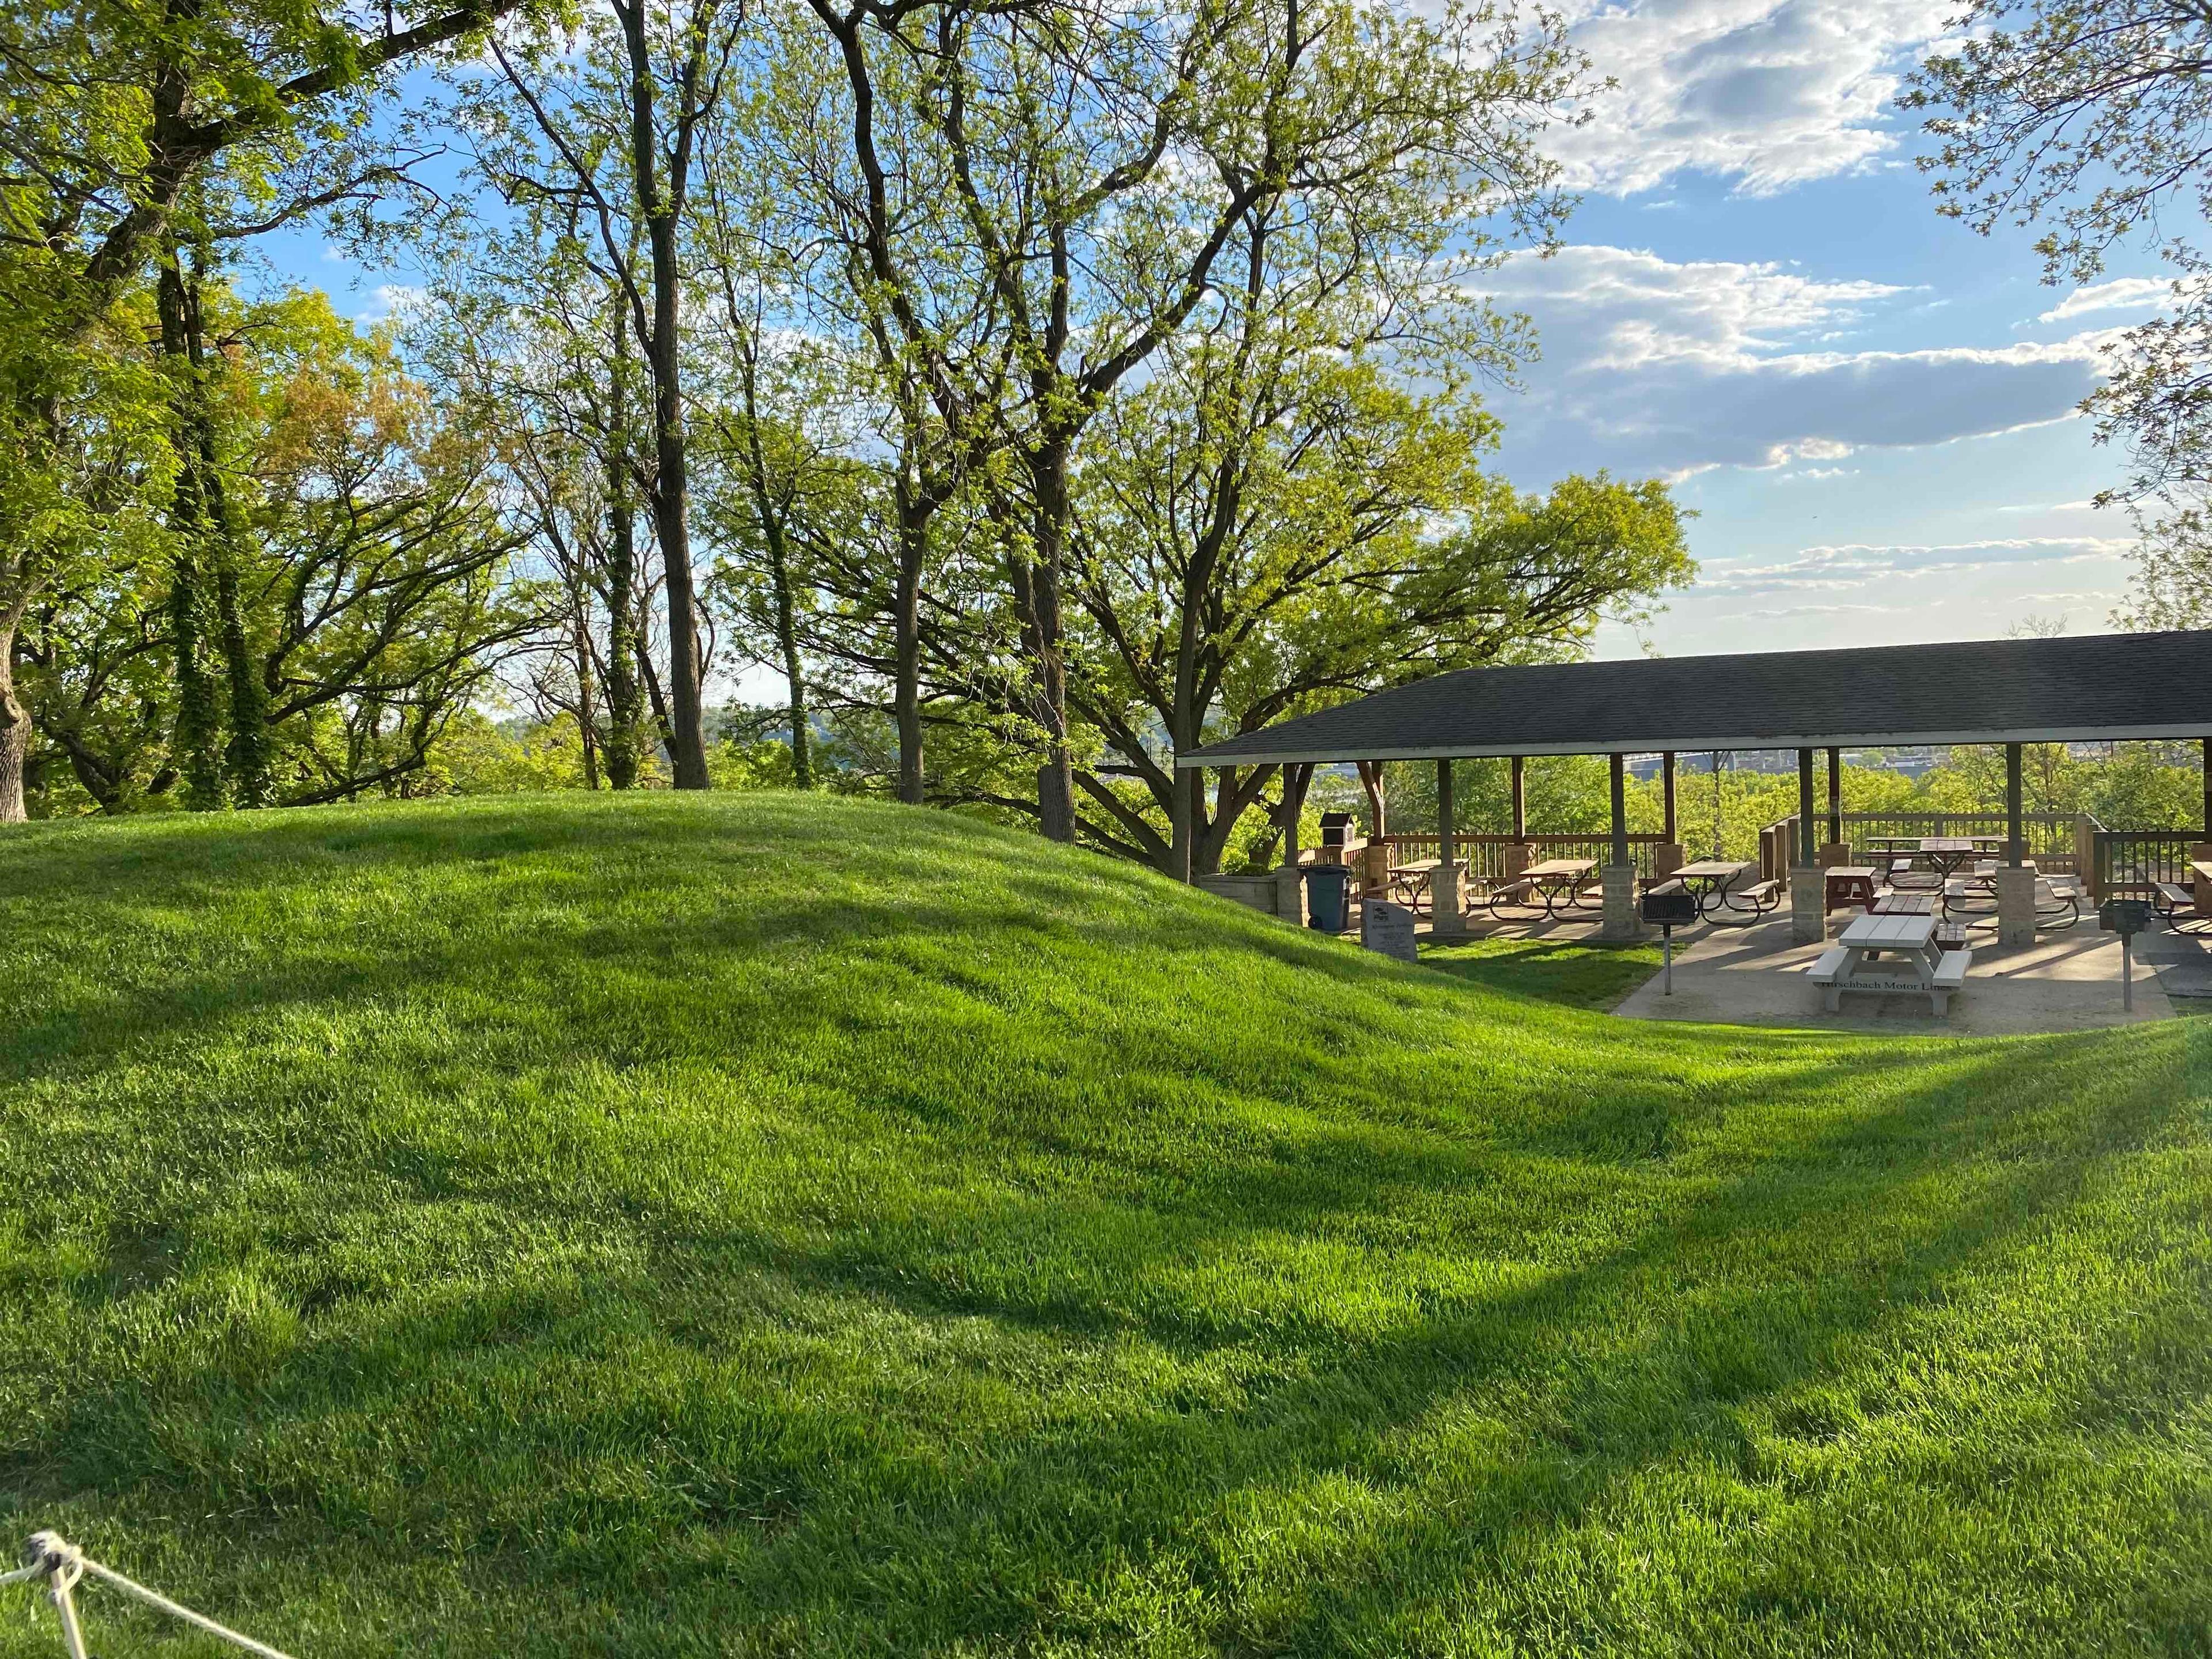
x: 1889, y: 953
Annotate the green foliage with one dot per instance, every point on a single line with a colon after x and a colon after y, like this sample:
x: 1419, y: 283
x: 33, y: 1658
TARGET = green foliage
x: 2140, y: 786
x: 780, y: 1224
x: 476, y: 755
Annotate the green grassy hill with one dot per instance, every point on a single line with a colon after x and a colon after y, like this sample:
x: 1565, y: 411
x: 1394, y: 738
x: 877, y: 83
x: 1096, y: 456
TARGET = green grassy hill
x: 771, y: 1226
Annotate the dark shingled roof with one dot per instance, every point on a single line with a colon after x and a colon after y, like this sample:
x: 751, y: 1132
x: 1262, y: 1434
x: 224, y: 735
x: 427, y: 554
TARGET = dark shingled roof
x: 2101, y: 685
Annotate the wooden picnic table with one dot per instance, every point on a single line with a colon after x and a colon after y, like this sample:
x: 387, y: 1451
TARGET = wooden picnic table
x: 1905, y: 904
x: 1887, y: 953
x: 1945, y: 853
x: 1848, y: 885
x: 1557, y: 879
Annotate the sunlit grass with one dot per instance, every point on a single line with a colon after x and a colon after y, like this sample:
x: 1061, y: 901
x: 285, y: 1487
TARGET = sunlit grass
x: 775, y: 1226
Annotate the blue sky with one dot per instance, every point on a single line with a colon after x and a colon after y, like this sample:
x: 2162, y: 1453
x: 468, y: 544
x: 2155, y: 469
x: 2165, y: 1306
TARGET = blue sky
x: 1871, y: 408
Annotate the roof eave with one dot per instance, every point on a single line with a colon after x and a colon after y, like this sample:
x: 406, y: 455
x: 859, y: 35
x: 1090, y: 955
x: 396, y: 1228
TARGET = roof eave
x: 1291, y: 754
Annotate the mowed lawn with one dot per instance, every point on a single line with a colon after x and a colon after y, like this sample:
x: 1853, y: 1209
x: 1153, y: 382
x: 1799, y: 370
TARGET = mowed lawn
x: 761, y: 1224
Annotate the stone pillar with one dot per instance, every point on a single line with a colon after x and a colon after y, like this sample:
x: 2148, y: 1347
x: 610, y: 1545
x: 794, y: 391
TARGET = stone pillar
x: 1518, y: 857
x: 1290, y: 894
x: 1808, y: 905
x: 1446, y: 919
x: 2015, y: 906
x: 2202, y: 853
x: 1373, y: 867
x: 1667, y: 858
x: 1622, y: 920
x: 1834, y: 854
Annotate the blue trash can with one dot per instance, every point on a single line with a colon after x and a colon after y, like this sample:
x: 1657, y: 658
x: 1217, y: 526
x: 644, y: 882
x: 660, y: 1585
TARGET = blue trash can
x: 1328, y: 886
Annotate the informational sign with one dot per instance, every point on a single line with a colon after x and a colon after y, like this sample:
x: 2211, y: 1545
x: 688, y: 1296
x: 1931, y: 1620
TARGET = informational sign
x: 1389, y: 928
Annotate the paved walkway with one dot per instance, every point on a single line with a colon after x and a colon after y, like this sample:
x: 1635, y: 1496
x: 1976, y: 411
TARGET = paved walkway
x: 2066, y: 982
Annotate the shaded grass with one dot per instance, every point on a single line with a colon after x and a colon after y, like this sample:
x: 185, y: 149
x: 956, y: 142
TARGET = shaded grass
x: 781, y: 1225
x: 1574, y: 970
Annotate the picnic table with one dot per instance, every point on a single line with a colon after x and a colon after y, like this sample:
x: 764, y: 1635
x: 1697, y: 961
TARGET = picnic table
x: 1412, y: 882
x: 1551, y: 884
x: 1889, y: 953
x: 1707, y: 879
x: 1848, y: 885
x: 1946, y: 854
x: 1905, y: 904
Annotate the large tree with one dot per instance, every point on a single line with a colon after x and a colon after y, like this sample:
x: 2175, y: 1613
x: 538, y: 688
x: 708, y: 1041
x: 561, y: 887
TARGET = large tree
x: 126, y: 130
x: 620, y: 107
x: 1102, y: 163
x: 1250, y: 550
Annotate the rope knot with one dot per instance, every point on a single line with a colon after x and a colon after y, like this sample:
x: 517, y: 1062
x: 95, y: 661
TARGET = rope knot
x: 55, y: 1557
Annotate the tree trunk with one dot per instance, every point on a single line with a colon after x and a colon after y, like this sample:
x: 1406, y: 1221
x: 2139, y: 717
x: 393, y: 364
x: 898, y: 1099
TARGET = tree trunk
x: 587, y: 713
x: 906, y: 617
x: 794, y: 671
x: 1056, y: 777
x: 247, y: 757
x: 15, y: 730
x: 779, y: 574
x: 198, y: 723
x: 624, y: 698
x: 687, y: 734
x: 1370, y: 779
x: 663, y: 357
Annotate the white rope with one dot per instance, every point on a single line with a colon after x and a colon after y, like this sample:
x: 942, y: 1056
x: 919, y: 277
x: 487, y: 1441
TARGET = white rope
x: 61, y: 1564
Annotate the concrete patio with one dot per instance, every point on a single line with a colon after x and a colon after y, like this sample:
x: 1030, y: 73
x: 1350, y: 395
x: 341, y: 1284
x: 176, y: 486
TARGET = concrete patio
x: 2068, y: 981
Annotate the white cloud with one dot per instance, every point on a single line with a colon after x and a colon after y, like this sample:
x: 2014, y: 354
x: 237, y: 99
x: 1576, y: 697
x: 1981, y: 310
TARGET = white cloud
x: 1857, y: 564
x: 1768, y: 93
x: 388, y: 300
x: 1655, y: 367
x: 2121, y: 294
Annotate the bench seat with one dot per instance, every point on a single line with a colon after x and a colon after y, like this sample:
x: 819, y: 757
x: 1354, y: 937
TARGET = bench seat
x: 1951, y: 971
x: 1831, y: 965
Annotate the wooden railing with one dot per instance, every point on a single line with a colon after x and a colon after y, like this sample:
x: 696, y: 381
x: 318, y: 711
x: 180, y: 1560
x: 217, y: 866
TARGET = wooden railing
x: 2130, y: 860
x: 2053, y: 839
x: 1486, y: 854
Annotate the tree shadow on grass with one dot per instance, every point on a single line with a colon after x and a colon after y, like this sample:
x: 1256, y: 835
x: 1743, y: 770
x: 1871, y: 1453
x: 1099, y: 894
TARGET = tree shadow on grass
x: 850, y: 1499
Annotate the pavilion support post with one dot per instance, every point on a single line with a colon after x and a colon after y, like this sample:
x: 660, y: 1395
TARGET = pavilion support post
x: 2202, y: 852
x: 1519, y: 856
x: 1289, y: 879
x: 2015, y: 881
x: 1835, y: 852
x: 1617, y: 881
x: 1446, y: 919
x: 1666, y: 856
x: 1809, y: 908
